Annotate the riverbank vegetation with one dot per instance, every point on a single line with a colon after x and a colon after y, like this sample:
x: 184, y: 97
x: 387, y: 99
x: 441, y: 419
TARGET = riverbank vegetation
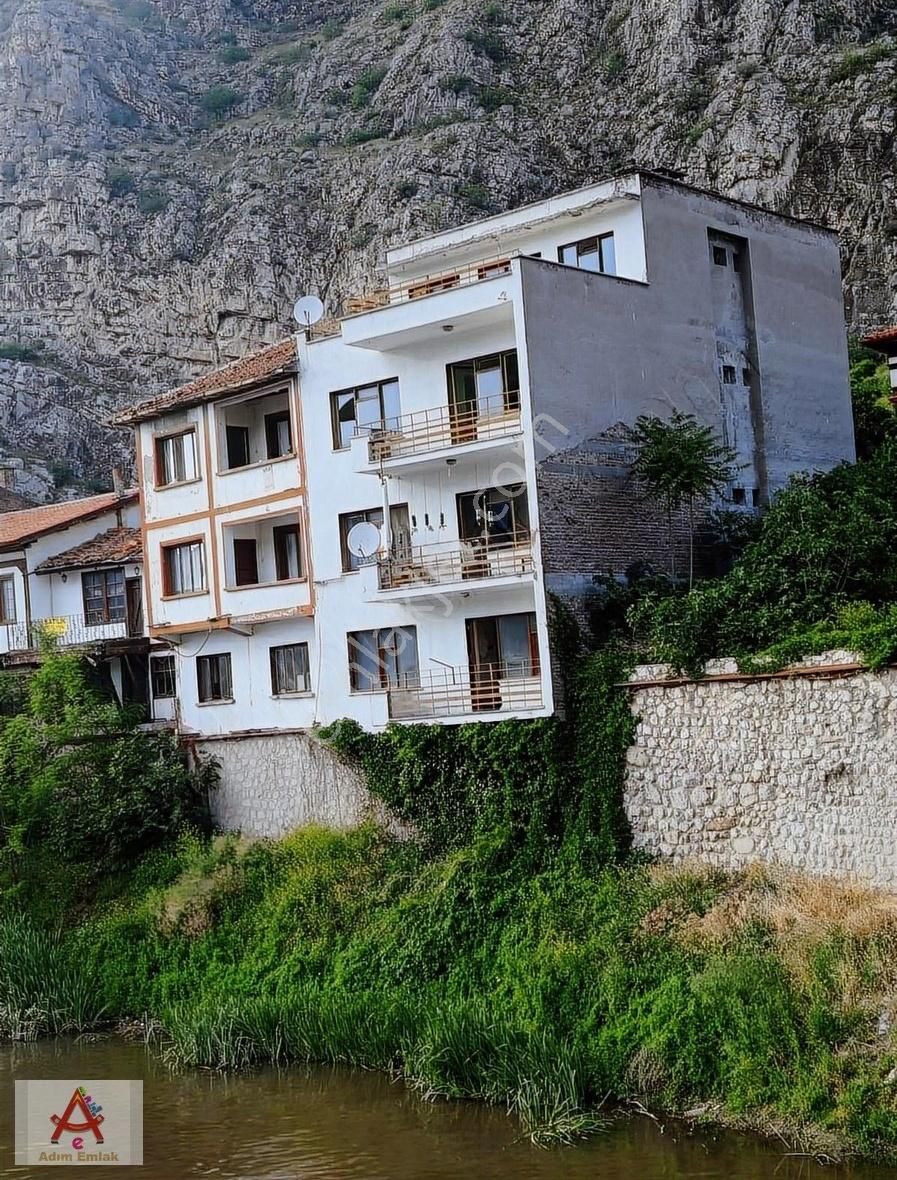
x: 513, y: 950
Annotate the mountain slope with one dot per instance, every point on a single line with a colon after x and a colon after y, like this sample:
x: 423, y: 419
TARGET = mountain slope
x: 173, y: 173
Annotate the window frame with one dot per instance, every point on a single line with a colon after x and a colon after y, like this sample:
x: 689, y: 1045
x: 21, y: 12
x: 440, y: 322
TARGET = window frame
x: 227, y: 680
x: 110, y: 615
x: 399, y: 518
x: 159, y: 441
x: 8, y: 581
x: 301, y: 648
x: 384, y: 637
x: 167, y: 548
x: 598, y: 240
x: 170, y: 673
x: 353, y: 392
x: 278, y: 532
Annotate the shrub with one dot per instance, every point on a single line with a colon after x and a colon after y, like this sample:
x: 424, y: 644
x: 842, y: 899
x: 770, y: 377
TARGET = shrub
x: 855, y: 62
x: 152, y: 200
x: 219, y: 100
x: 474, y: 193
x: 119, y: 181
x: 432, y: 5
x: 231, y: 54
x: 292, y: 55
x: 399, y: 12
x: 10, y: 351
x: 488, y: 42
x: 331, y: 29
x: 405, y: 189
x: 457, y: 83
x: 613, y: 64
x: 366, y: 86
x: 308, y: 139
x: 364, y: 134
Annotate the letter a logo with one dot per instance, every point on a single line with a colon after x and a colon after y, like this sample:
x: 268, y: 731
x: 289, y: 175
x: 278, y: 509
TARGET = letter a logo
x: 91, y: 1123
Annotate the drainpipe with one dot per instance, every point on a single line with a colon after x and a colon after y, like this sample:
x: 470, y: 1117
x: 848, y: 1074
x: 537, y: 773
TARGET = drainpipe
x: 387, y: 528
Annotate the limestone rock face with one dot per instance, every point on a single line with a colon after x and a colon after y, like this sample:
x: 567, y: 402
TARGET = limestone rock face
x: 173, y: 173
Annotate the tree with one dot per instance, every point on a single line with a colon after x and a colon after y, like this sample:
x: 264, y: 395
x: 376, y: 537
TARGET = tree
x: 219, y: 100
x: 679, y: 462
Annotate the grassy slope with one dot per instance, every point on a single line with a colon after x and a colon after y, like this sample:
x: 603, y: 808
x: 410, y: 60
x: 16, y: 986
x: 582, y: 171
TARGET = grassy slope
x: 768, y: 999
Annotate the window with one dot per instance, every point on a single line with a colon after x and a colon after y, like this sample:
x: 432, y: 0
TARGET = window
x: 720, y: 256
x: 385, y: 658
x: 738, y: 495
x: 104, y: 597
x: 745, y: 376
x: 483, y: 387
x: 237, y: 443
x: 7, y: 600
x: 176, y: 458
x: 213, y: 678
x: 183, y: 568
x: 287, y: 552
x: 356, y: 410
x: 246, y: 564
x: 728, y: 374
x: 507, y: 646
x: 498, y: 516
x: 289, y: 669
x: 597, y: 254
x: 278, y: 434
x: 398, y: 523
x: 162, y: 677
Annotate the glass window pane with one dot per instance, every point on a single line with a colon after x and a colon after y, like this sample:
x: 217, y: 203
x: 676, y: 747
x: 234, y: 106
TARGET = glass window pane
x: 608, y: 255
x: 588, y: 255
x: 513, y: 633
x: 364, y: 661
x: 367, y: 408
x: 567, y: 255
x: 390, y: 400
x: 345, y: 418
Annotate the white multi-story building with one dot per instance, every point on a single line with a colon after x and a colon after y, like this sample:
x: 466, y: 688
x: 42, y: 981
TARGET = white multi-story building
x: 71, y: 574
x: 370, y: 521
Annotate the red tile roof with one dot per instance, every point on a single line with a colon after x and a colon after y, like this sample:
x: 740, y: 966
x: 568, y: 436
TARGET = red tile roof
x: 114, y: 547
x: 252, y: 370
x: 882, y: 338
x: 17, y: 528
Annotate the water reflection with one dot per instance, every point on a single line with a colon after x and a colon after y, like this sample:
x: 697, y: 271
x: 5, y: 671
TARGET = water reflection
x: 326, y: 1124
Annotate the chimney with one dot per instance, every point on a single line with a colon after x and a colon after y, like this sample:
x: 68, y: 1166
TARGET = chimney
x: 118, y: 481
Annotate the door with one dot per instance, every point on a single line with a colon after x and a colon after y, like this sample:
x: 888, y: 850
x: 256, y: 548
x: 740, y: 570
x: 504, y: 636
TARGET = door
x: 480, y: 389
x: 484, y: 656
x: 134, y: 605
x: 246, y: 566
x: 237, y: 446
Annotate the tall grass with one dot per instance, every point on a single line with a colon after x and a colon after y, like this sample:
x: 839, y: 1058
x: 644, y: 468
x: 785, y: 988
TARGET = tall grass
x: 43, y: 988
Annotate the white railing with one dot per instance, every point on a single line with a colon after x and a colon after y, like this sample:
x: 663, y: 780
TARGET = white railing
x: 441, y: 427
x: 456, y: 561
x: 512, y: 686
x: 60, y: 630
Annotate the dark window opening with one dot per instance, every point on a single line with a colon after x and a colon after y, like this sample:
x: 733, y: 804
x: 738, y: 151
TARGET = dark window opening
x: 745, y: 376
x: 728, y: 374
x: 287, y: 552
x: 738, y: 496
x: 736, y: 259
x: 246, y: 564
x: 237, y: 446
x: 720, y: 256
x: 213, y: 678
x: 278, y: 434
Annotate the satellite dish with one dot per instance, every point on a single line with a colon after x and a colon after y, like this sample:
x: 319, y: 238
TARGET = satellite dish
x: 307, y: 310
x: 364, y: 539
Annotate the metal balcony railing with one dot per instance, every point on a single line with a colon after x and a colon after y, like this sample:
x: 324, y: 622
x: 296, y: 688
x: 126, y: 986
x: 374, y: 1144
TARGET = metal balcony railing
x: 442, y: 427
x: 61, y: 631
x: 511, y: 686
x: 444, y: 562
x: 431, y: 284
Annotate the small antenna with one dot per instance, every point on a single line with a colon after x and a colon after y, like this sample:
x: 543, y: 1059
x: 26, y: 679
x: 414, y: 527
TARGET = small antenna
x: 307, y: 310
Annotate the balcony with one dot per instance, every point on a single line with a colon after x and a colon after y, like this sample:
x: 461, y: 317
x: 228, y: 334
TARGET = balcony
x: 62, y: 631
x: 453, y: 566
x: 442, y: 432
x: 404, y: 314
x: 512, y: 687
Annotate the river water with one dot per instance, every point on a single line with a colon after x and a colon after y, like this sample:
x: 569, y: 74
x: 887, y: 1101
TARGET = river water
x: 332, y: 1124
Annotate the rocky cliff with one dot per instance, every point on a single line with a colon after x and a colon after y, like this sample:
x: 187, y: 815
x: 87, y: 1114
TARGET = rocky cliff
x: 173, y: 173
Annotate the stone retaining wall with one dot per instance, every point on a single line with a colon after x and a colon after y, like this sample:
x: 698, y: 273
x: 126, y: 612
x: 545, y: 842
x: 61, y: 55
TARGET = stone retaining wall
x: 273, y: 782
x: 800, y: 770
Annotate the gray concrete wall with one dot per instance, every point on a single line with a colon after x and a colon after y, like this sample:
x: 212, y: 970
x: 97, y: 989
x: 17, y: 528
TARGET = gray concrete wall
x: 602, y: 350
x: 801, y: 771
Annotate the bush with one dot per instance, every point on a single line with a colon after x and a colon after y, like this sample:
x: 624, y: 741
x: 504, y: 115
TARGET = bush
x: 855, y: 62
x: 10, y: 351
x: 487, y: 42
x: 364, y: 134
x: 366, y: 86
x: 119, y: 181
x: 152, y: 200
x: 219, y: 100
x: 292, y: 55
x: 231, y: 54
